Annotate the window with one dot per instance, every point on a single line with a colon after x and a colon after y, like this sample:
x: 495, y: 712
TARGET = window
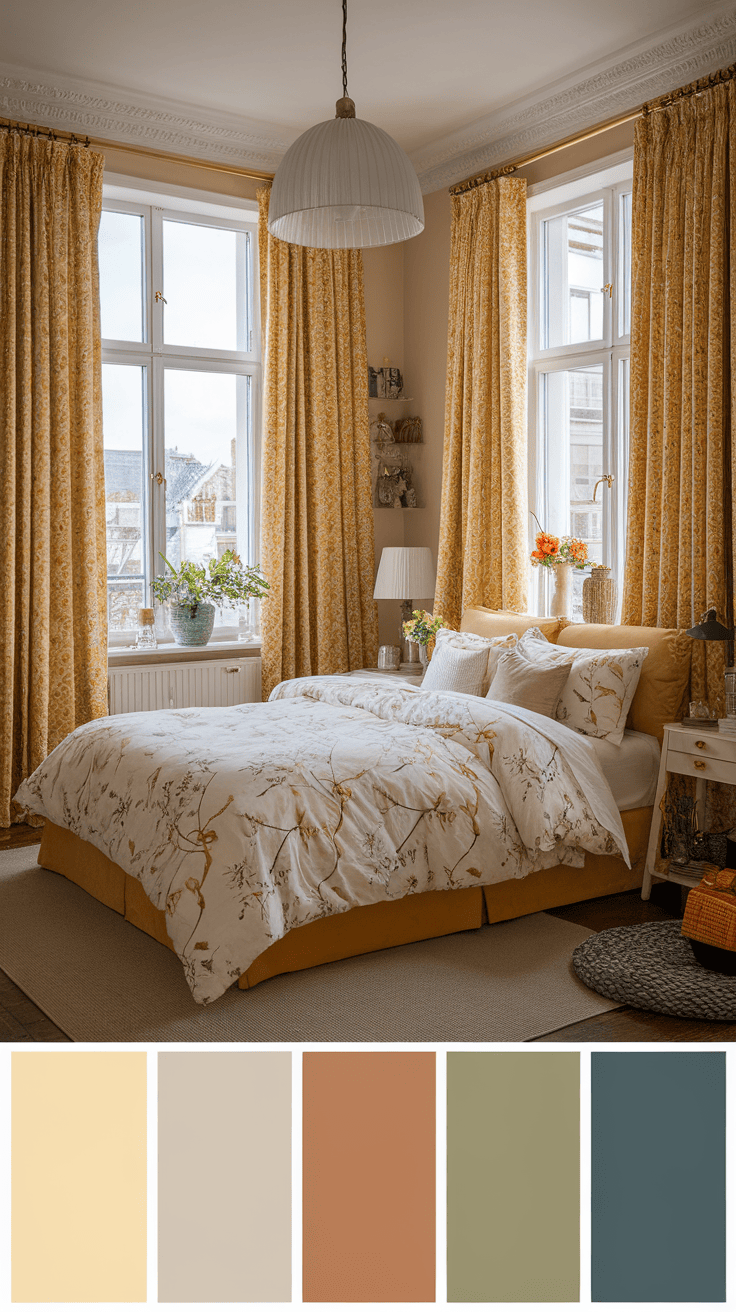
x: 180, y: 383
x: 579, y: 323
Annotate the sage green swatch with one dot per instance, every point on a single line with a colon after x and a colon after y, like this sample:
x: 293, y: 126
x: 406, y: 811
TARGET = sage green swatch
x: 513, y: 1177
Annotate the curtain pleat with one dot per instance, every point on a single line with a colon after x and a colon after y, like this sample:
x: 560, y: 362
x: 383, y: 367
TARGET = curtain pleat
x: 681, y: 464
x: 53, y: 628
x: 317, y: 545
x: 483, y: 548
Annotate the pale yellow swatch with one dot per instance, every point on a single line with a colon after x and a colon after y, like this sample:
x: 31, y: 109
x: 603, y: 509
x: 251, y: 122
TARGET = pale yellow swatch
x: 224, y: 1177
x: 78, y: 1177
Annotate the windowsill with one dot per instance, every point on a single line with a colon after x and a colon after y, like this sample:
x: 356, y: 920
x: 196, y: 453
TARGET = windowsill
x: 171, y: 653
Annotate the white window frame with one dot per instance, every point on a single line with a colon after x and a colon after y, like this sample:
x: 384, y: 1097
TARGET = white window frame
x: 608, y: 180
x: 156, y: 355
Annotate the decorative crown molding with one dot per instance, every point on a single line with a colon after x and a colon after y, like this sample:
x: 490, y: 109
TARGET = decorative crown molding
x: 611, y: 87
x: 148, y: 121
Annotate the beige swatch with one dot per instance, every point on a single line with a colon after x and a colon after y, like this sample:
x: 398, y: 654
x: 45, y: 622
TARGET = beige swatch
x: 78, y: 1167
x: 224, y: 1177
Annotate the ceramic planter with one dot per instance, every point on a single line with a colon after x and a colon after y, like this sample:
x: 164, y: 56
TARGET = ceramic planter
x: 191, y: 625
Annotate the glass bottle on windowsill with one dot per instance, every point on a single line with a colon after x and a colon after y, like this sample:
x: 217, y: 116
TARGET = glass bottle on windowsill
x: 146, y: 638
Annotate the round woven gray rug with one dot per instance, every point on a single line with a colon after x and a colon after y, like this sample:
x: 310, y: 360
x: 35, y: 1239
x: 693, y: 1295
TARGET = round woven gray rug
x: 653, y: 967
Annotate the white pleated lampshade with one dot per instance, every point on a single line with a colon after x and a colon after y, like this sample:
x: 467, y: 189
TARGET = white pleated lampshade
x: 345, y: 184
x: 405, y: 573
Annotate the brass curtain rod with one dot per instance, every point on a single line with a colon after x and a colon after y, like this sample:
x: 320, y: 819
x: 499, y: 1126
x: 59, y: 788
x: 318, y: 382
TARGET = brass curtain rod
x: 662, y: 102
x: 52, y: 134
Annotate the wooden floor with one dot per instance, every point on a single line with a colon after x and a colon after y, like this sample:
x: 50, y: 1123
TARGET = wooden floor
x: 21, y: 1021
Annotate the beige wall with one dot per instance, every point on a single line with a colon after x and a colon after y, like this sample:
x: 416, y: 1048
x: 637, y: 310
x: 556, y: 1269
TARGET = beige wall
x: 426, y: 301
x: 179, y: 173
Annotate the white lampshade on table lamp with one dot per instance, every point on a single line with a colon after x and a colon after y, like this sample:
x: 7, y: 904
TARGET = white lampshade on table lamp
x: 404, y: 573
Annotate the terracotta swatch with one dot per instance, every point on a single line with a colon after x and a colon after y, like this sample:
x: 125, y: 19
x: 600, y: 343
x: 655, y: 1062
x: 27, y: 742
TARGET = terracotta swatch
x: 513, y: 1177
x: 224, y: 1177
x: 78, y: 1166
x: 369, y: 1177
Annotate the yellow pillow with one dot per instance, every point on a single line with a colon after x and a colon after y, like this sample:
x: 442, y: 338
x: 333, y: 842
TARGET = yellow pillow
x: 662, y: 691
x: 496, y: 623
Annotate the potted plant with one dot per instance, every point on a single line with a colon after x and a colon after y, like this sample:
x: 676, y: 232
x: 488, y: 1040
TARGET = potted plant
x: 423, y: 628
x: 193, y: 591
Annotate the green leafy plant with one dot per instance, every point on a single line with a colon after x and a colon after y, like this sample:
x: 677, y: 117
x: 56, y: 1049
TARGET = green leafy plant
x: 220, y: 582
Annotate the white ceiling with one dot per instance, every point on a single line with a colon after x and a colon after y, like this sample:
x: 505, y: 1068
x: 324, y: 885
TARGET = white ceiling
x: 444, y: 78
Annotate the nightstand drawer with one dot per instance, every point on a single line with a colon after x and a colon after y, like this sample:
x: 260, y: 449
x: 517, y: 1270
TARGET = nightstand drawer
x: 701, y: 766
x: 714, y: 745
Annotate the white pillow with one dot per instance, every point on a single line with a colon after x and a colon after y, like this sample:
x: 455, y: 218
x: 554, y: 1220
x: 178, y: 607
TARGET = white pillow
x: 473, y: 642
x: 600, y: 687
x: 456, y: 669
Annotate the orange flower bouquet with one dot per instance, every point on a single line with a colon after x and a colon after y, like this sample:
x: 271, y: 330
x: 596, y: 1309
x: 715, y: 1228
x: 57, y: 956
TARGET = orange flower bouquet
x: 560, y: 551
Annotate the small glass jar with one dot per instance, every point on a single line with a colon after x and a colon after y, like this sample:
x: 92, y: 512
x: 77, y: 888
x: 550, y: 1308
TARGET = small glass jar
x: 730, y: 681
x: 389, y: 658
x: 146, y: 639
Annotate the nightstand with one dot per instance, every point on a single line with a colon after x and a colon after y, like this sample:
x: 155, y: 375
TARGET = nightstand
x: 416, y: 679
x: 703, y: 754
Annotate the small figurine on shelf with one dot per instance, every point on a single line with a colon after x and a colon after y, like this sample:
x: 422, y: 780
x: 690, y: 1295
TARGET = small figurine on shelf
x: 384, y: 434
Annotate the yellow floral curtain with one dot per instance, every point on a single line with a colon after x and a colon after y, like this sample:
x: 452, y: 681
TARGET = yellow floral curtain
x: 683, y: 368
x: 483, y: 549
x: 316, y: 505
x: 53, y: 630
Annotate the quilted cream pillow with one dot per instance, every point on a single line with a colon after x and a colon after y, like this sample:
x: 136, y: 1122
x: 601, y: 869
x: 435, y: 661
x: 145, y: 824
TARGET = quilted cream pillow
x: 454, y: 669
x: 474, y: 642
x: 599, y: 689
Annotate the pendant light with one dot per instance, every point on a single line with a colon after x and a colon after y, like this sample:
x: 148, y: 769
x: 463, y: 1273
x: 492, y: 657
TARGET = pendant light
x: 345, y: 183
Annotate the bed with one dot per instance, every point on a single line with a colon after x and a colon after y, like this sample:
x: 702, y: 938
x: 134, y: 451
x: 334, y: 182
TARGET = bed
x: 408, y: 735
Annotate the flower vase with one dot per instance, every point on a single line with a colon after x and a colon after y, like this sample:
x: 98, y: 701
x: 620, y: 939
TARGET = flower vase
x: 561, y: 604
x: 423, y: 656
x: 600, y: 596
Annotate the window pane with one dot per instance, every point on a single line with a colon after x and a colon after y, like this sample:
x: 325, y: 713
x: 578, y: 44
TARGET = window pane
x: 572, y: 272
x: 204, y: 283
x: 207, y: 456
x: 572, y: 401
x: 120, y: 246
x: 124, y: 421
x: 624, y: 279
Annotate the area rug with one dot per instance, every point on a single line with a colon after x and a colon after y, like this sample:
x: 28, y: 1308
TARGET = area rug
x: 654, y: 967
x: 103, y: 981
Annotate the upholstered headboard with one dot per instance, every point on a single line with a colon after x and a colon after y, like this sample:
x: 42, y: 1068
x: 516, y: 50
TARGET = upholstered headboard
x: 664, y: 683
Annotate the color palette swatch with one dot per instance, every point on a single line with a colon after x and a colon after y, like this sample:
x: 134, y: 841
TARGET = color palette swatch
x: 368, y: 1177
x: 658, y: 1177
x: 513, y: 1177
x: 78, y: 1177
x: 83, y: 1178
x: 224, y: 1177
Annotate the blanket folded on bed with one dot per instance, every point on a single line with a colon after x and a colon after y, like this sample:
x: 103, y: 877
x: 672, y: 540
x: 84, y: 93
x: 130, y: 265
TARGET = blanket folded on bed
x: 245, y: 822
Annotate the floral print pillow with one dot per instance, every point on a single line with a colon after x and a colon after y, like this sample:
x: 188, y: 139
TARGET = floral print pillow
x: 600, y: 687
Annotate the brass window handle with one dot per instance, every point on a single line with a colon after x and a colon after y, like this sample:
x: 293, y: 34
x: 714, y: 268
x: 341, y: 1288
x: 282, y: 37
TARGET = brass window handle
x: 159, y: 478
x: 160, y: 297
x: 607, y: 478
x: 699, y: 765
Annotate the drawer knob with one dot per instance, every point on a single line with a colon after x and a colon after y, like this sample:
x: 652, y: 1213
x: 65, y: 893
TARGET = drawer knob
x: 699, y: 765
x: 700, y: 746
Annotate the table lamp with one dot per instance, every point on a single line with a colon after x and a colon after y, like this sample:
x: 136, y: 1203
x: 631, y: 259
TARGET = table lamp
x: 710, y: 629
x: 404, y: 573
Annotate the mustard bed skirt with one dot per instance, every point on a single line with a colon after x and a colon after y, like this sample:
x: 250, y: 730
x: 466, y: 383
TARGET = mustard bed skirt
x: 369, y: 928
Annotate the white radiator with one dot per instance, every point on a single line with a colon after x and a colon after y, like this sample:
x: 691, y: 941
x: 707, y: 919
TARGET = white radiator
x: 186, y: 683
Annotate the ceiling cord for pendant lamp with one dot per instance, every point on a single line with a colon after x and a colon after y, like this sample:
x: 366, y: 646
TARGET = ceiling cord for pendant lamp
x: 346, y: 183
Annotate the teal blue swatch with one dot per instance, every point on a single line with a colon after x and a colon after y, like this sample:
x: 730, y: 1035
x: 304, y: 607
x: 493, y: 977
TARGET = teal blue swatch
x: 658, y: 1167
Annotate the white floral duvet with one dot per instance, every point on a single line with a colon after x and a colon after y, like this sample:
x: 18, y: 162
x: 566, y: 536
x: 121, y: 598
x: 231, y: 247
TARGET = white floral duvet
x: 245, y: 822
